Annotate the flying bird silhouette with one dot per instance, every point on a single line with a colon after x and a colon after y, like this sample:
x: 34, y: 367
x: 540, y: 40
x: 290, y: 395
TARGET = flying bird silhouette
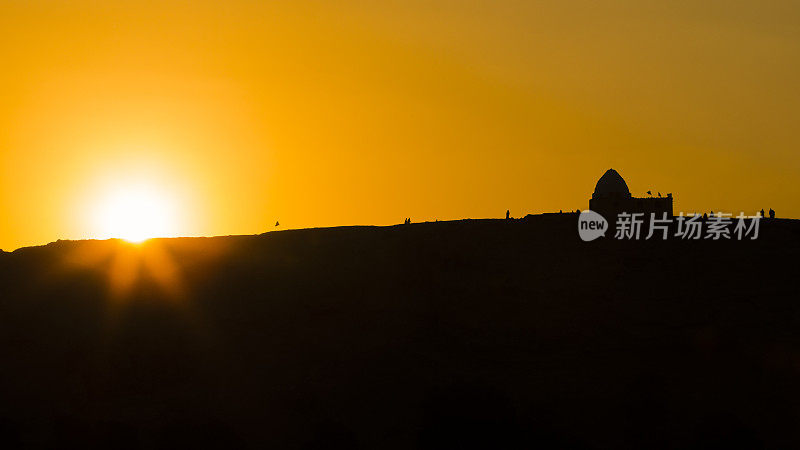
x: 277, y: 223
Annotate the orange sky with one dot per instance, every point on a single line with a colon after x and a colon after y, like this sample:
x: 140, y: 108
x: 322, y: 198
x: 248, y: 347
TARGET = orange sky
x: 351, y: 112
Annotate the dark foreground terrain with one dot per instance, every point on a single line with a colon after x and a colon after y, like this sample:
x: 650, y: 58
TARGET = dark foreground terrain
x: 470, y: 334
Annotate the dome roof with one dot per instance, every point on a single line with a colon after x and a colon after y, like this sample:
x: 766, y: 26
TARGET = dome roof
x: 611, y: 183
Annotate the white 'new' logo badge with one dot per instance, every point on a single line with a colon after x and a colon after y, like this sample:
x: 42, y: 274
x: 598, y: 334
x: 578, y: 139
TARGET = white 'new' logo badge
x: 591, y: 225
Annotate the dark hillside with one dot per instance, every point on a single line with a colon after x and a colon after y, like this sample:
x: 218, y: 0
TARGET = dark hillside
x: 466, y: 334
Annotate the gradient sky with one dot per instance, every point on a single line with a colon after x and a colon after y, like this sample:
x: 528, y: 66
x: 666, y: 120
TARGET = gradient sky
x: 367, y: 112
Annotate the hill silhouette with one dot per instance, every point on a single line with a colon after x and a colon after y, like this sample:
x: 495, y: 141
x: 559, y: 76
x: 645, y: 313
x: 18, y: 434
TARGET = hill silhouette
x: 463, y: 334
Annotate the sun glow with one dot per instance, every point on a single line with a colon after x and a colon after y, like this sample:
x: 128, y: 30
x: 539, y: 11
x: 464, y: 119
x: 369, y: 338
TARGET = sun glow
x: 135, y: 214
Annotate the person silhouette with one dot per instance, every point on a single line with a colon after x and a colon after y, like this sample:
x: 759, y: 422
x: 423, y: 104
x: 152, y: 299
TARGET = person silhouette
x: 705, y: 216
x: 762, y: 213
x: 508, y: 214
x: 771, y: 213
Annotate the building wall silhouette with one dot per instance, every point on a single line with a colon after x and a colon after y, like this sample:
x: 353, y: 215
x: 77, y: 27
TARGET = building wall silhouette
x: 611, y: 196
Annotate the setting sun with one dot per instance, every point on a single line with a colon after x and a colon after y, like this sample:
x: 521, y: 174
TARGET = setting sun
x: 135, y: 213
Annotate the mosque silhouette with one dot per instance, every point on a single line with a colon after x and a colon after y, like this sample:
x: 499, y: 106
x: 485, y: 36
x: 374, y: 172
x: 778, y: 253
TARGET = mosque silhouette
x: 611, y: 196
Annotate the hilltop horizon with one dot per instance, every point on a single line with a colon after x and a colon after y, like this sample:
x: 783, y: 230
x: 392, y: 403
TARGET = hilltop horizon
x: 479, y: 333
x: 305, y: 228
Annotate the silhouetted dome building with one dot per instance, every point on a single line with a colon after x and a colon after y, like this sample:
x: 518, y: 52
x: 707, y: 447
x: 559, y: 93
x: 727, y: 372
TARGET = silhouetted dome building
x: 611, y: 184
x: 611, y: 196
